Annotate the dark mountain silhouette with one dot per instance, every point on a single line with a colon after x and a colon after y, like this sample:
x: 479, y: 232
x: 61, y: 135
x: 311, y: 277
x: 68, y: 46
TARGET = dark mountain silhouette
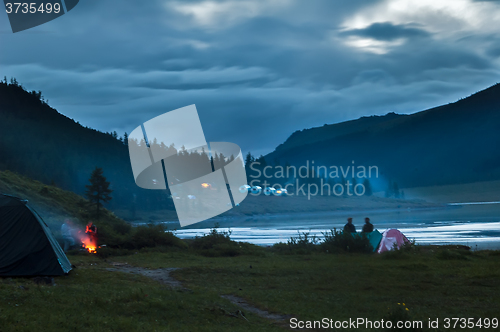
x: 454, y: 143
x: 39, y: 142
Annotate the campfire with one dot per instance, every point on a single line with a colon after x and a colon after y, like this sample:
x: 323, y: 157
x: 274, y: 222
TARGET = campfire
x: 89, y: 239
x: 88, y: 244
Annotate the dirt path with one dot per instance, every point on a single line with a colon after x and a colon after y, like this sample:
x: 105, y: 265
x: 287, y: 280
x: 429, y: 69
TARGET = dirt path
x: 250, y: 308
x: 163, y: 276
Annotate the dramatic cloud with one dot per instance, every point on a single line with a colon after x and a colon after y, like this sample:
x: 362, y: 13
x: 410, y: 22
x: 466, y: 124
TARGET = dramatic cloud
x: 257, y: 70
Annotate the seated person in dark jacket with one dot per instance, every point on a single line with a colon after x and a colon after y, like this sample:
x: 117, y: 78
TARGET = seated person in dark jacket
x: 368, y: 227
x: 349, y: 227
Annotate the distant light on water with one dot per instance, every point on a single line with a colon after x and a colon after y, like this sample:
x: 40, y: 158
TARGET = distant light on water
x: 484, y: 235
x: 474, y: 203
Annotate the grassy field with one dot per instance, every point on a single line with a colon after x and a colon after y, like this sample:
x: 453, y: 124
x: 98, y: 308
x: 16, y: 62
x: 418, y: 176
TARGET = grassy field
x: 432, y: 282
x: 94, y: 299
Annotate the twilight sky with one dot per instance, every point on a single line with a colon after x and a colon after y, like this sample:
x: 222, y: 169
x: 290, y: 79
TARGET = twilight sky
x: 256, y: 70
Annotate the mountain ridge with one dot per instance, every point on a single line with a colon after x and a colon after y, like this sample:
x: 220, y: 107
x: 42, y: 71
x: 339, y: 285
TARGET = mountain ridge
x: 457, y: 143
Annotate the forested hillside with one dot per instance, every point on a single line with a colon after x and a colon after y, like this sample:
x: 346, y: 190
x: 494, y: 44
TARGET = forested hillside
x: 39, y: 142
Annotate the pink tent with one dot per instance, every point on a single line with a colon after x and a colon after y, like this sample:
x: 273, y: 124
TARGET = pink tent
x: 389, y: 238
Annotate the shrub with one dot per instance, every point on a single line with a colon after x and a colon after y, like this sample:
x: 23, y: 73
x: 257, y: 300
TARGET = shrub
x: 108, y: 236
x: 303, y: 243
x: 218, y: 243
x: 212, y: 239
x: 403, y: 252
x: 338, y: 241
x: 119, y: 236
x: 154, y: 236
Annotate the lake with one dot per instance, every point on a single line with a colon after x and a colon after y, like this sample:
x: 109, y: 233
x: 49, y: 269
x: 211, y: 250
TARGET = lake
x: 472, y: 224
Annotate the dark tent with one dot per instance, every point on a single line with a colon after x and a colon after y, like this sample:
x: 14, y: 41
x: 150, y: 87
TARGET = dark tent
x: 27, y: 246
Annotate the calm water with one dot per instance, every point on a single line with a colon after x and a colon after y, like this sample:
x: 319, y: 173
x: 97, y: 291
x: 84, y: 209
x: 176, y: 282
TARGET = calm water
x: 467, y: 224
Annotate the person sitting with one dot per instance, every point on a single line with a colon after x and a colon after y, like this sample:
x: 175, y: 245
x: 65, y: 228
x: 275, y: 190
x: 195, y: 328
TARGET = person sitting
x: 67, y: 234
x: 368, y: 226
x: 349, y: 227
x: 91, y: 231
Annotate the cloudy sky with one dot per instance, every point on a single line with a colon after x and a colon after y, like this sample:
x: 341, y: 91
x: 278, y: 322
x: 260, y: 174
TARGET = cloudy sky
x: 256, y: 70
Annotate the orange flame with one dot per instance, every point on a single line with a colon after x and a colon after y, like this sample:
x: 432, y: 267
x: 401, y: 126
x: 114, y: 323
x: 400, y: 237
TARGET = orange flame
x: 89, y: 239
x: 88, y: 244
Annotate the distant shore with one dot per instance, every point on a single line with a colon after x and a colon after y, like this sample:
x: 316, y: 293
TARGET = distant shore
x: 263, y: 206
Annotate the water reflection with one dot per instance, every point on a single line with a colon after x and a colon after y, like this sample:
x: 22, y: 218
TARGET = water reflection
x: 470, y: 224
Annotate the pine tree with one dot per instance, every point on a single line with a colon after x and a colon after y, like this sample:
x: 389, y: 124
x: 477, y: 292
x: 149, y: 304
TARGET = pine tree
x: 98, y: 191
x: 183, y: 151
x: 249, y: 159
x: 125, y: 139
x: 262, y: 161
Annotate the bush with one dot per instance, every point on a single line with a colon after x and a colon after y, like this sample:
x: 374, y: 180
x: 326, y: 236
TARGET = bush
x: 403, y: 252
x: 212, y: 239
x: 218, y: 243
x: 153, y: 236
x: 338, y: 241
x: 303, y: 241
x: 107, y: 235
x: 334, y: 242
x: 123, y: 236
x: 301, y: 244
x: 122, y: 228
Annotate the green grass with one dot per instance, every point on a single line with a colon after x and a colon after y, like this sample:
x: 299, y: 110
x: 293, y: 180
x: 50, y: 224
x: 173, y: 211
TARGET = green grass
x: 433, y: 283
x: 94, y: 299
x: 436, y: 283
